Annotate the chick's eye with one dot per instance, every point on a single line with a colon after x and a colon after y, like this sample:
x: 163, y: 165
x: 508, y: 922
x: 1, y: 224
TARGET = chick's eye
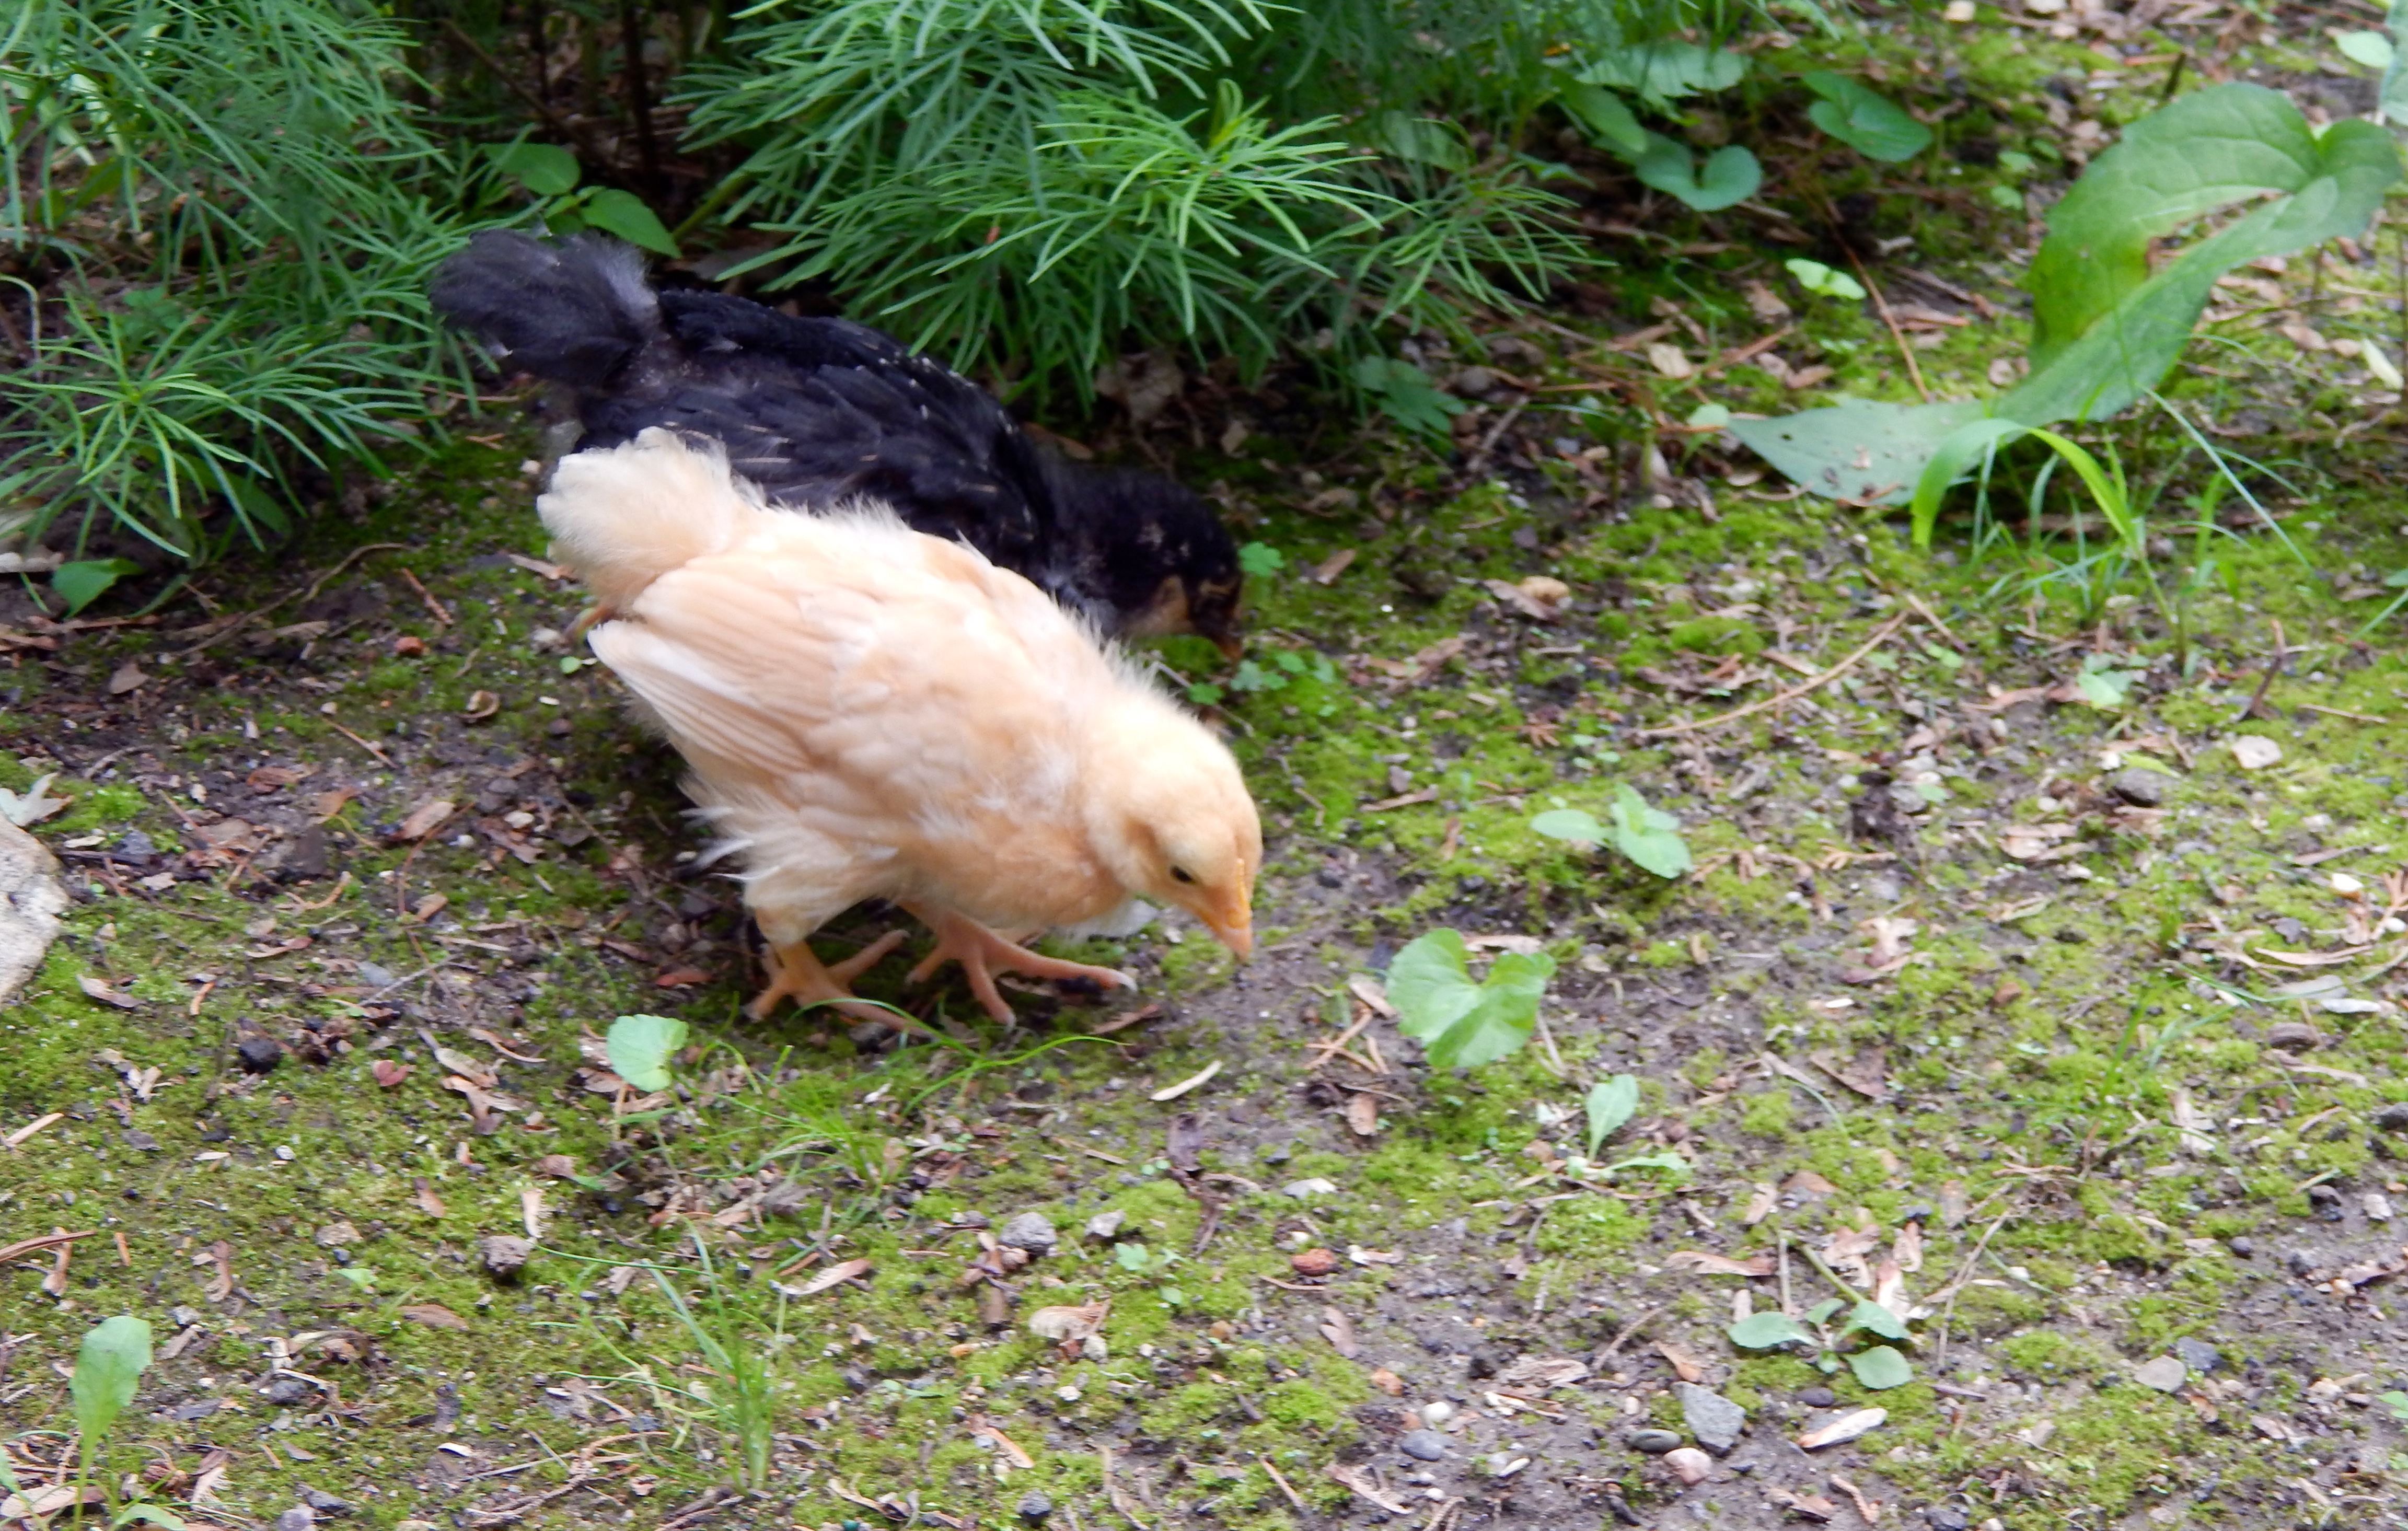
x: 1181, y: 874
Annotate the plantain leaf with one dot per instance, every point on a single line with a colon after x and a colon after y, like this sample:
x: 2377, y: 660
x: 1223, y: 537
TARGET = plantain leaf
x: 640, y: 1047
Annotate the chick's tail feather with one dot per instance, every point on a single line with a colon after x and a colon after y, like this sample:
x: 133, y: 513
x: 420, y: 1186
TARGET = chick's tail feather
x: 570, y: 312
x: 623, y: 516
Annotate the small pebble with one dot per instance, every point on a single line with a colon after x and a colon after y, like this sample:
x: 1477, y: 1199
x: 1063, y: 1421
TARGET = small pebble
x: 1422, y: 1445
x: 1818, y: 1397
x: 505, y: 1255
x: 324, y: 1503
x: 284, y: 1392
x: 1034, y: 1507
x: 1030, y: 1231
x: 2140, y: 786
x: 1437, y: 1413
x: 2197, y: 1354
x: 1314, y: 1261
x: 1693, y: 1465
x: 2164, y: 1374
x: 1653, y: 1442
x: 298, y: 1518
x: 259, y: 1054
x: 2242, y: 1246
x: 1106, y: 1225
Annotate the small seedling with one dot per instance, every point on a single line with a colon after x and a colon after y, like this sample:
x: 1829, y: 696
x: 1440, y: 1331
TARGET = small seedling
x: 640, y: 1047
x: 1825, y: 282
x: 1649, y: 837
x: 108, y: 1370
x: 1611, y: 1103
x: 1875, y: 1366
x: 552, y: 174
x: 1864, y: 120
x: 1460, y: 1022
x: 1151, y: 1264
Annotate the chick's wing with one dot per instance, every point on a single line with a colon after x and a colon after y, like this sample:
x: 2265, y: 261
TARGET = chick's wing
x: 893, y: 678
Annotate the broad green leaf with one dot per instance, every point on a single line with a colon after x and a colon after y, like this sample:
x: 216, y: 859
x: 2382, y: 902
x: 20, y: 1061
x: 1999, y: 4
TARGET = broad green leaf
x: 1709, y: 416
x: 1647, y: 836
x: 2391, y: 96
x: 623, y: 213
x: 1578, y: 825
x: 1731, y: 176
x: 2371, y: 48
x: 1133, y: 1256
x: 1865, y: 120
x: 1875, y: 1319
x: 2398, y: 1403
x: 1857, y: 449
x: 1423, y: 140
x: 108, y: 1368
x: 1205, y: 694
x: 1611, y: 1103
x: 1764, y: 1330
x: 87, y: 580
x: 1606, y: 116
x: 1881, y: 1367
x: 1260, y: 558
x: 1825, y: 282
x: 640, y: 1047
x: 541, y: 168
x: 1460, y: 1022
x: 2105, y: 327
x: 1822, y: 1311
x: 1661, y: 72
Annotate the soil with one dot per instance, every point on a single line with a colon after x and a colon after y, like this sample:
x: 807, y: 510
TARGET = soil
x: 2002, y: 990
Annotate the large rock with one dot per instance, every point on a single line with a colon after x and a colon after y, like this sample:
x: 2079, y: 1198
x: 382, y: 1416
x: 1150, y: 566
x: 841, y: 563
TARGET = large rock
x: 31, y: 900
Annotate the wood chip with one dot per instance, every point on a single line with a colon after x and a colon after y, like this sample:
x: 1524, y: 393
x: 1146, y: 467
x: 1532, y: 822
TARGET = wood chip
x: 1847, y: 1427
x: 1337, y: 1328
x: 425, y: 819
x: 1363, y: 1115
x: 1172, y: 1092
x: 835, y: 1274
x: 1010, y: 1448
x: 1328, y: 569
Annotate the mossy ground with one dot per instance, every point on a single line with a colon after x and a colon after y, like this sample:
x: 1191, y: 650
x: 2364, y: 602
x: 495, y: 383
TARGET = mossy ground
x: 2100, y: 1089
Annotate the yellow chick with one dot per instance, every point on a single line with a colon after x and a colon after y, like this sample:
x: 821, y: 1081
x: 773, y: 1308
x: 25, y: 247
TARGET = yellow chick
x: 870, y: 712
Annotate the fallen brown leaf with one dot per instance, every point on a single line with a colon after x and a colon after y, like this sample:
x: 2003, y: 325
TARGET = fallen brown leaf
x: 1718, y: 1265
x: 835, y: 1274
x: 434, y: 1316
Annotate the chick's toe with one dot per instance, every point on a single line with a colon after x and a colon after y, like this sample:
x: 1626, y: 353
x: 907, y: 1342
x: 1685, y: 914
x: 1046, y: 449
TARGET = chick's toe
x: 797, y: 974
x: 983, y: 953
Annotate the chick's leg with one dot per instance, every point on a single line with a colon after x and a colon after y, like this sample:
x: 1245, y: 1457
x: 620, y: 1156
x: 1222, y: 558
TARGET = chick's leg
x: 796, y: 974
x: 983, y: 953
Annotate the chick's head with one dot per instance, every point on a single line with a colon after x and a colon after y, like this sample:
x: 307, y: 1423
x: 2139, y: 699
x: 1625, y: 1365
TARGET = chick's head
x: 1171, y: 816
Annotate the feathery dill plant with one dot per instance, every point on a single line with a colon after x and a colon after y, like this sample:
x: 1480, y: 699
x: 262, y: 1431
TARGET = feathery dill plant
x: 229, y: 209
x: 1028, y: 186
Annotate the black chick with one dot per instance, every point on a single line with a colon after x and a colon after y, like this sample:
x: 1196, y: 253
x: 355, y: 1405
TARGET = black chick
x: 818, y: 410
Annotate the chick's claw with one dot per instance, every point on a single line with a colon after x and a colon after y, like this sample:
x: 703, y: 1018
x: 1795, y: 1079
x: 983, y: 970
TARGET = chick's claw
x: 797, y: 974
x: 983, y: 953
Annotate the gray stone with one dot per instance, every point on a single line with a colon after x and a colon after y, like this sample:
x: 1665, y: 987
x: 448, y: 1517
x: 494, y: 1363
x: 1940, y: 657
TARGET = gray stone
x: 1106, y: 1225
x: 1034, y: 1507
x: 1947, y: 1518
x: 2141, y: 786
x: 505, y: 1255
x: 2394, y: 1117
x: 30, y: 899
x: 1653, y: 1442
x: 284, y: 1392
x: 298, y: 1518
x: 324, y: 1503
x: 1715, y: 1420
x: 1818, y: 1397
x: 1030, y: 1231
x: 2197, y: 1354
x: 1422, y: 1445
x: 2164, y: 1373
x: 259, y: 1054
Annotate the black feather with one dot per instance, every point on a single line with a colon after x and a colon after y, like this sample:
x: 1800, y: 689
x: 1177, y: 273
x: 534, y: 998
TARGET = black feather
x: 816, y: 410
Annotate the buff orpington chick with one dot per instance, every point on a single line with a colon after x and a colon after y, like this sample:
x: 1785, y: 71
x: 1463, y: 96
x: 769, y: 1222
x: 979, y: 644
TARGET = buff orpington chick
x: 871, y: 712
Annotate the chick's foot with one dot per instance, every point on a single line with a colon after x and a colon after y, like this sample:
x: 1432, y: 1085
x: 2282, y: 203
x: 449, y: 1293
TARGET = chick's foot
x: 983, y: 953
x: 796, y: 974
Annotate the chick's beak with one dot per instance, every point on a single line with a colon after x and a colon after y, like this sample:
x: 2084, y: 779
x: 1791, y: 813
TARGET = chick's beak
x: 1235, y: 929
x: 1232, y: 647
